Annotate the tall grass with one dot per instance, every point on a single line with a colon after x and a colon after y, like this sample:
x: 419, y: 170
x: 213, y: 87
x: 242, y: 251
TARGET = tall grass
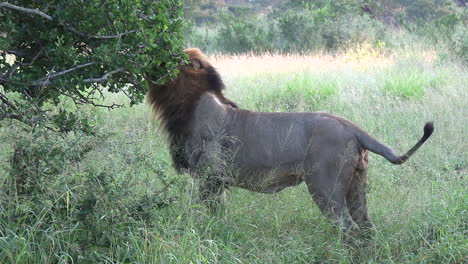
x: 419, y: 208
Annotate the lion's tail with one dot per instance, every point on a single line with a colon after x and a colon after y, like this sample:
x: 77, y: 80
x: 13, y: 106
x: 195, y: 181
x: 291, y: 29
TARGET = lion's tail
x: 368, y: 142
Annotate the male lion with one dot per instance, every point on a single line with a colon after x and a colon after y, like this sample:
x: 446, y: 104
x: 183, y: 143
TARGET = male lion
x: 224, y: 145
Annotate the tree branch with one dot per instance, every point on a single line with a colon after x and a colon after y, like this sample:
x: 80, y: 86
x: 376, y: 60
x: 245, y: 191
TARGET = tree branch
x: 66, y: 25
x: 11, y: 116
x: 27, y: 10
x: 103, y: 77
x: 44, y: 114
x: 46, y: 80
x: 6, y: 113
x: 19, y: 53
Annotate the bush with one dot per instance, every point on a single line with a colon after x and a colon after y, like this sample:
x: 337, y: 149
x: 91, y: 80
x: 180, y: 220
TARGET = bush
x: 73, y: 195
x: 326, y: 25
x: 298, y: 31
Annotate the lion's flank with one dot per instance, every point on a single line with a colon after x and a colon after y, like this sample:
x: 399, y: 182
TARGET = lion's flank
x: 175, y: 101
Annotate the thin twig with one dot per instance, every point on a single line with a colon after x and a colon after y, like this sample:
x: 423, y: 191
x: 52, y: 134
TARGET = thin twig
x: 39, y: 110
x: 44, y: 114
x: 86, y: 100
x: 157, y: 81
x: 8, y: 114
x: 103, y: 77
x: 96, y: 87
x: 27, y: 10
x: 142, y: 16
x: 126, y: 94
x: 78, y: 32
x: 33, y: 59
x: 6, y: 101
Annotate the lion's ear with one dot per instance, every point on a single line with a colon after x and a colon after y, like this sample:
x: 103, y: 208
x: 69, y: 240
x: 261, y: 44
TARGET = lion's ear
x: 196, y: 64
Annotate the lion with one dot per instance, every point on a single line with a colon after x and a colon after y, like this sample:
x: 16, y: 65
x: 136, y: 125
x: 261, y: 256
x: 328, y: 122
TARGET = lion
x: 223, y: 145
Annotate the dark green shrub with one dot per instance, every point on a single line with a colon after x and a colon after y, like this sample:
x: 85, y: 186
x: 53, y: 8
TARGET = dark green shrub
x: 241, y: 32
x: 459, y: 43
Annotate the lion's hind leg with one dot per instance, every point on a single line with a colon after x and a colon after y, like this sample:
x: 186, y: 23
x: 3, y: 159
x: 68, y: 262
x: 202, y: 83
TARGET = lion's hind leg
x: 328, y: 186
x: 356, y: 196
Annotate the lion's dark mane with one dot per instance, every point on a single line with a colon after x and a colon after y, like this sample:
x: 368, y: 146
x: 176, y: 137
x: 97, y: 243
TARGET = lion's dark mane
x: 175, y: 101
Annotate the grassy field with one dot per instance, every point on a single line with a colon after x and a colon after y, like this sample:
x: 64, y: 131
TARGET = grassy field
x: 104, y: 206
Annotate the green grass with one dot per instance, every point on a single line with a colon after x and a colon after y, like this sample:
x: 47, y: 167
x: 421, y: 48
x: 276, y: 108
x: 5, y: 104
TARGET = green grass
x: 102, y: 204
x: 286, y: 91
x: 409, y: 84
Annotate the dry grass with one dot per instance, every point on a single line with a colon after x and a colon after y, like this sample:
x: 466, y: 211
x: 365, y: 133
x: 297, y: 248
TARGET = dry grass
x: 361, y: 58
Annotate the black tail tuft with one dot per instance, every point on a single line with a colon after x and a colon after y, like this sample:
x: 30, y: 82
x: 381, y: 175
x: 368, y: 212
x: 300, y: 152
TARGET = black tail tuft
x: 428, y: 129
x: 368, y: 142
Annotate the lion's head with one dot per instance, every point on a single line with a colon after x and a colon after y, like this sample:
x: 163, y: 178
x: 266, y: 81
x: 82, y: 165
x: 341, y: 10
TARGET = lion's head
x: 175, y: 101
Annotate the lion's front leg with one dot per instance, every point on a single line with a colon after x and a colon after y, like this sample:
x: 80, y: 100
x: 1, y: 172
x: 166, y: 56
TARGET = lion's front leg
x: 213, y: 194
x: 209, y: 171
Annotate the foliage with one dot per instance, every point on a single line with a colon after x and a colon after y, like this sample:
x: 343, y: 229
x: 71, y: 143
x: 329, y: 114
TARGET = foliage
x: 326, y: 25
x: 80, y: 49
x: 202, y: 11
x: 294, y: 26
x: 412, y: 12
x: 298, y: 30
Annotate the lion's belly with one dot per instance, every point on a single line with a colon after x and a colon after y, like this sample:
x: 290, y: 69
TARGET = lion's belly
x: 268, y: 180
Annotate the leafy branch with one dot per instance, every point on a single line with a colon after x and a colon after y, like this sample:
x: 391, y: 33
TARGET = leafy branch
x: 81, y: 50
